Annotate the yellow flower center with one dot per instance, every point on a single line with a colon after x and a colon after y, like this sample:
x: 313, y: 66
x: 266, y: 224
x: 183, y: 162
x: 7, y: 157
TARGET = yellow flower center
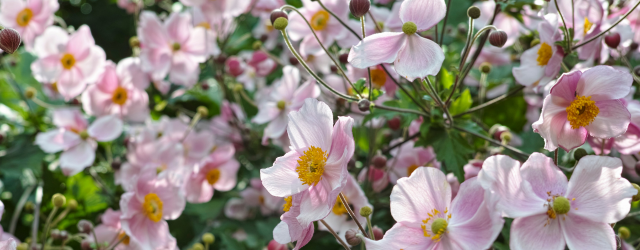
x: 152, y: 207
x: 339, y: 208
x: 175, y: 47
x: 268, y: 26
x: 287, y: 204
x: 119, y: 96
x: 124, y: 237
x: 261, y: 199
x: 582, y: 112
x: 213, y: 176
x: 204, y: 25
x: 311, y: 165
x: 436, y: 224
x: 544, y: 54
x: 54, y: 87
x: 378, y: 78
x: 24, y: 17
x: 412, y: 168
x: 281, y: 104
x: 319, y: 20
x: 587, y: 26
x: 68, y: 61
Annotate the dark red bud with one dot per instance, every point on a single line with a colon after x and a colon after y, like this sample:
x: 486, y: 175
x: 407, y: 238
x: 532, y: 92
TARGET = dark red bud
x: 293, y: 61
x: 394, y: 123
x: 234, y: 66
x: 333, y: 68
x: 359, y: 8
x: 204, y: 86
x: 377, y: 233
x: 612, y: 40
x: 364, y: 105
x: 344, y: 58
x: 498, y: 38
x: 379, y: 161
x: 9, y: 40
x: 277, y: 13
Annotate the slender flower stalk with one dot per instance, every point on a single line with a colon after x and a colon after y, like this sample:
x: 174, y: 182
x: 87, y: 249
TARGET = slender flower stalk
x: 439, y: 101
x: 489, y: 103
x: 339, y: 20
x: 335, y: 235
x: 497, y: 143
x: 353, y: 215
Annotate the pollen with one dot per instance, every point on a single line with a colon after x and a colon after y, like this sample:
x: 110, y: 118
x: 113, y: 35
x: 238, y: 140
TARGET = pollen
x: 287, y: 203
x: 23, y: 17
x: 320, y: 20
x: 378, y: 78
x: 339, y: 208
x: 412, y: 168
x: 587, y: 26
x: 213, y: 176
x: 436, y: 224
x: 544, y: 54
x: 311, y: 165
x: 152, y: 207
x: 119, y: 96
x: 582, y: 112
x: 68, y: 61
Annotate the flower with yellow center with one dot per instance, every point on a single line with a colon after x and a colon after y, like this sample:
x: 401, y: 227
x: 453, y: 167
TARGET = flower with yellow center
x: 288, y: 202
x: 311, y: 165
x: 582, y: 112
x: 544, y: 54
x: 213, y: 176
x: 378, y: 78
x: 320, y: 20
x: 119, y: 96
x: 23, y: 17
x: 152, y: 207
x: 587, y: 26
x: 412, y: 168
x: 339, y: 208
x: 439, y: 222
x: 68, y: 61
x: 124, y: 238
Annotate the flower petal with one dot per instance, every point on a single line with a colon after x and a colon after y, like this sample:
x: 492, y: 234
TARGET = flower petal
x: 401, y: 237
x: 536, y: 232
x: 418, y: 58
x: 57, y: 140
x: 414, y: 197
x: 582, y: 233
x: 425, y: 14
x: 376, y: 49
x: 566, y: 137
x: 604, y: 83
x: 311, y: 125
x: 566, y: 85
x: 543, y: 175
x: 529, y: 72
x: 106, y: 128
x: 282, y: 179
x: 77, y: 158
x: 612, y: 120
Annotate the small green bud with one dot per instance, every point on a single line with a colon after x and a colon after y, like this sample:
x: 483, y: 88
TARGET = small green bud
x: 409, y: 28
x: 534, y: 42
x: 579, y: 153
x: 203, y: 111
x: 281, y: 104
x: 280, y: 23
x: 23, y: 246
x: 58, y: 200
x: 485, y: 67
x: 561, y: 205
x: 624, y: 233
x: 473, y: 12
x: 134, y: 42
x: 208, y: 238
x: 365, y: 211
x: 197, y: 246
x: 73, y: 204
x: 237, y: 87
x: 30, y: 92
x: 257, y: 45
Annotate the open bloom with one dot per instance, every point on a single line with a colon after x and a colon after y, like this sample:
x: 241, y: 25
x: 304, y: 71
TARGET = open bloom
x: 627, y: 143
x: 408, y: 158
x: 427, y: 218
x: 582, y: 104
x: 30, y: 18
x: 145, y: 209
x: 77, y: 139
x: 413, y: 55
x: 339, y: 220
x: 326, y: 26
x: 218, y: 171
x: 550, y: 212
x: 70, y: 61
x: 120, y: 92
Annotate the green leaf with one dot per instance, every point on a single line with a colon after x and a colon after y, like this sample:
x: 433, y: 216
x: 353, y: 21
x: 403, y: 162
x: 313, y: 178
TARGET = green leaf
x: 450, y: 148
x: 23, y: 154
x: 360, y: 84
x: 446, y: 78
x: 462, y: 103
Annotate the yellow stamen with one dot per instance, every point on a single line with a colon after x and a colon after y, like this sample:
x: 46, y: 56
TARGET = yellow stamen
x: 412, y: 168
x: 288, y: 203
x: 319, y: 20
x: 119, y: 96
x: 213, y: 176
x: 68, y: 61
x: 124, y: 237
x: 587, y: 26
x: 582, y: 112
x: 311, y: 165
x: 378, y: 78
x: 23, y: 17
x: 339, y: 208
x: 261, y: 199
x: 54, y: 87
x: 152, y: 207
x: 204, y: 25
x: 544, y: 54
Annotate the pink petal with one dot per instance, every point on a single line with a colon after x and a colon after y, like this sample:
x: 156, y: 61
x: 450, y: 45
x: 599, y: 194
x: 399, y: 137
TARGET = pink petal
x: 317, y: 203
x: 281, y: 233
x: 106, y: 128
x: 425, y: 14
x: 582, y: 233
x: 178, y: 27
x: 600, y: 193
x: 604, y: 83
x: 341, y: 141
x: 543, y: 175
x: 57, y: 140
x: 47, y: 69
x: 419, y: 57
x: 276, y: 127
x: 612, y: 120
x: 77, y: 158
x: 401, y: 237
x: 151, y: 31
x: 467, y: 202
x: 311, y: 126
x: 266, y: 112
x: 309, y: 89
x: 130, y: 71
x: 92, y: 65
x: 197, y: 189
x: 376, y: 49
x: 70, y: 83
x: 80, y: 43
x: 172, y: 199
x: 537, y: 232
x: 566, y: 137
x: 109, y: 79
x: 228, y: 175
x: 566, y: 85
x: 196, y: 45
x: 414, y: 197
x: 282, y: 179
x: 69, y: 118
x: 51, y: 42
x: 529, y: 72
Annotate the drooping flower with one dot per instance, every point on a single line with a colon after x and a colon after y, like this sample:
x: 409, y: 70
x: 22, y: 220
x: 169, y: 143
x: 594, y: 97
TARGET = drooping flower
x: 551, y: 212
x: 339, y: 220
x: 427, y: 218
x: 71, y: 61
x: 327, y: 27
x: 30, y: 18
x: 507, y: 23
x: 218, y: 171
x: 582, y: 104
x: 413, y: 56
x: 77, y: 138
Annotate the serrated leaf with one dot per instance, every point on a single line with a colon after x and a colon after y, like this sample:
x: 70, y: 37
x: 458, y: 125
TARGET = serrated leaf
x: 450, y: 148
x: 462, y: 103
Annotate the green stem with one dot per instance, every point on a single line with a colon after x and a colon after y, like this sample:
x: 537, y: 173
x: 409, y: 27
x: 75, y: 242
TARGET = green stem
x: 364, y: 34
x: 373, y: 237
x: 401, y: 110
x: 353, y: 216
x: 406, y: 92
x: 555, y: 156
x: 566, y: 30
x: 607, y: 30
x: 439, y: 101
x: 494, y: 100
x: 515, y: 150
x: 444, y: 24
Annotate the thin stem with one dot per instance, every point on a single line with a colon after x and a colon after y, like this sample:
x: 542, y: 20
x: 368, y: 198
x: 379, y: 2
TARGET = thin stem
x: 401, y: 110
x: 406, y: 92
x: 494, y: 100
x: 444, y: 24
x: 607, y: 30
x: 573, y: 18
x: 335, y: 235
x: 61, y: 216
x: 353, y: 216
x: 194, y: 121
x: 273, y: 57
x: 515, y: 150
x: 373, y: 237
x: 564, y: 67
x: 442, y: 105
x: 117, y: 243
x: 400, y: 143
x: 21, y: 203
x: 48, y: 224
x: 364, y: 34
x: 566, y: 30
x: 339, y: 20
x: 555, y: 157
x: 374, y: 21
x: 246, y: 98
x: 36, y: 216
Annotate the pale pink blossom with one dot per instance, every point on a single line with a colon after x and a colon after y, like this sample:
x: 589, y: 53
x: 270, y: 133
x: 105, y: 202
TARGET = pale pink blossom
x: 627, y: 143
x: 265, y: 32
x: 227, y: 9
x: 428, y: 218
x: 7, y: 240
x: 327, y: 27
x: 407, y: 158
x: 77, y: 138
x: 339, y: 220
x: 71, y: 61
x: 274, y: 245
x: 551, y: 212
x: 263, y: 8
x: 211, y: 24
x: 30, y: 18
x: 217, y: 172
x: 131, y: 6
x: 582, y: 104
x: 236, y: 209
x: 225, y: 126
x: 257, y: 196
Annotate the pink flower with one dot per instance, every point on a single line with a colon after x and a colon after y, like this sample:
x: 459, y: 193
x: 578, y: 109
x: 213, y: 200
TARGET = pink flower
x: 224, y: 126
x: 7, y: 239
x: 413, y: 55
x: 228, y: 9
x: 627, y: 143
x: 550, y: 211
x: 70, y: 61
x: 257, y: 196
x: 378, y: 178
x: 540, y: 64
x: 472, y: 168
x: 590, y: 15
x: 174, y: 47
x: 407, y: 158
x: 30, y: 18
x: 274, y: 245
x: 145, y: 209
x: 339, y: 220
x: 110, y: 232
x: 120, y: 91
x: 286, y: 96
x: 130, y: 5
x: 326, y: 26
x: 77, y: 139
x: 211, y: 25
x: 582, y: 104
x: 218, y: 171
x: 263, y: 8
x: 427, y: 218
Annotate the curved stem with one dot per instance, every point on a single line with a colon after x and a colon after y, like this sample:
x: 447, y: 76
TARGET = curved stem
x: 48, y: 224
x: 339, y: 20
x: 335, y: 235
x: 555, y: 156
x: 494, y: 100
x: 406, y: 92
x: 36, y: 216
x: 400, y: 143
x: 607, y: 30
x: 353, y: 215
x: 19, y: 207
x: 374, y: 21
x: 444, y: 24
x: 439, y: 100
x: 566, y: 30
x: 515, y: 150
x: 401, y: 110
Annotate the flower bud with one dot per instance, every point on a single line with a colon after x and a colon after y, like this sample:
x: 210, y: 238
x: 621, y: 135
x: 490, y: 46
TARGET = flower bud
x: 85, y: 226
x: 377, y: 233
x: 276, y: 14
x: 281, y: 23
x: 134, y: 42
x: 612, y: 40
x: 534, y: 42
x: 359, y: 8
x: 197, y: 246
x: 333, y: 68
x: 624, y: 233
x: 352, y: 237
x: 485, y: 67
x: 86, y: 245
x: 636, y: 197
x: 58, y: 200
x: 257, y: 45
x: 498, y: 38
x: 64, y: 235
x: 473, y: 12
x: 633, y: 46
x: 344, y: 58
x: 579, y: 153
x: 238, y: 87
x: 379, y: 161
x: 55, y: 234
x: 203, y: 111
x: 364, y: 105
x: 9, y: 40
x: 365, y: 211
x: 208, y: 238
x: 234, y: 66
x: 23, y: 246
x: 293, y: 61
x: 116, y: 164
x: 394, y: 123
x: 204, y: 86
x: 30, y: 92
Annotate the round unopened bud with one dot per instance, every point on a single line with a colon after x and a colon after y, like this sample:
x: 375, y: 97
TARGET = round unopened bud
x: 473, y: 12
x: 633, y: 46
x: 208, y: 238
x: 276, y: 14
x: 364, y: 105
x: 257, y: 45
x: 197, y: 246
x: 624, y: 233
x: 612, y: 40
x: 409, y: 28
x: 86, y: 245
x: 30, y: 92
x: 23, y: 246
x: 333, y: 68
x: 64, y: 235
x: 359, y: 8
x: 352, y: 237
x: 498, y: 38
x: 203, y: 111
x: 394, y: 123
x: 73, y: 204
x: 58, y: 200
x: 534, y: 42
x: 561, y: 205
x: 134, y: 42
x: 344, y: 58
x: 365, y: 211
x: 579, y: 153
x: 281, y: 23
x: 506, y: 136
x: 55, y: 234
x: 238, y: 87
x: 379, y: 161
x: 204, y: 86
x: 637, y: 196
x: 85, y: 226
x: 9, y: 40
x: 377, y: 233
x: 234, y: 66
x: 485, y: 67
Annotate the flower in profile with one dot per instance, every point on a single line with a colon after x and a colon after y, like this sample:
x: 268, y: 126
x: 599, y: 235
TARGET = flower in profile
x: 218, y: 171
x: 327, y: 27
x: 77, y: 138
x: 427, y: 218
x: 30, y: 18
x: 413, y: 55
x: 120, y: 91
x: 174, y: 47
x: 582, y: 104
x: 285, y: 96
x: 145, y: 209
x: 339, y: 220
x: 551, y: 212
x: 71, y: 61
